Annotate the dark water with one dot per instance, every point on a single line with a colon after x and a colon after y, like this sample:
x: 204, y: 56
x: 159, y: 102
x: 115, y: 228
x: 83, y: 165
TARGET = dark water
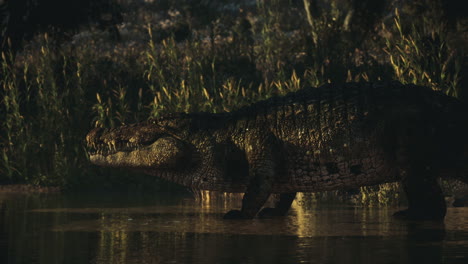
x: 167, y: 228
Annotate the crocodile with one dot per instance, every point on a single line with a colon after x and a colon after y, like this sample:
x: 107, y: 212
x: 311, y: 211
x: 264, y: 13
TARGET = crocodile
x: 334, y: 137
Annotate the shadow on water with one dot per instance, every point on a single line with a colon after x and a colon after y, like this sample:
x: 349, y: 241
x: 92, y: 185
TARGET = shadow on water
x: 167, y: 228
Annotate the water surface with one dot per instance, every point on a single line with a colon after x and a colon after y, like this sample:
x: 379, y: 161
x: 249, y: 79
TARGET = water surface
x: 171, y: 228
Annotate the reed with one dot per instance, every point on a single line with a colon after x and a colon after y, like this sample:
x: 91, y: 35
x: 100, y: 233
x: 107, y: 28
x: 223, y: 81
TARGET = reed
x: 423, y: 54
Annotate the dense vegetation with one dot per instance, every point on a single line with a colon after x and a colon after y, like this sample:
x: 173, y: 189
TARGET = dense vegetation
x: 205, y: 56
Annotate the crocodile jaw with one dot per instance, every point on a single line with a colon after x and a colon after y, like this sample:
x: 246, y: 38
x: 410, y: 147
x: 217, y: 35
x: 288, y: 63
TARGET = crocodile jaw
x: 165, y: 152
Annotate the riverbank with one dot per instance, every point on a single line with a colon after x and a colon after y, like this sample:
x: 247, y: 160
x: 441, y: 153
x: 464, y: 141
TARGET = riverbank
x: 28, y: 188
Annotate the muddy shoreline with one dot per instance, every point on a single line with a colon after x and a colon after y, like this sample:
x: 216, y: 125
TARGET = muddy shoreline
x: 28, y: 188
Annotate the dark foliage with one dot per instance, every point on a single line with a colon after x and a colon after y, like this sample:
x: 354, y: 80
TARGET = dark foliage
x: 22, y: 18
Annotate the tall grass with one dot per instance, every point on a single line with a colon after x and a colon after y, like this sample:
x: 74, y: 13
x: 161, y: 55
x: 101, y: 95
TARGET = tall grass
x: 41, y: 106
x: 422, y: 54
x: 51, y: 96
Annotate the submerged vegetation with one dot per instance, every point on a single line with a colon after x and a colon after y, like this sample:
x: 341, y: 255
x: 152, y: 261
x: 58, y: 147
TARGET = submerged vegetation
x: 191, y: 56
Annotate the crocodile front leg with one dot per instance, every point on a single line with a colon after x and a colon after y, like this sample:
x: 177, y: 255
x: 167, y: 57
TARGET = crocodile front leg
x: 254, y: 198
x: 264, y: 157
x: 281, y: 206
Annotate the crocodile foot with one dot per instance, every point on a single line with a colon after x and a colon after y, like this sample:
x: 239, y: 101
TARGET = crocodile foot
x: 408, y: 214
x: 235, y: 214
x: 270, y: 213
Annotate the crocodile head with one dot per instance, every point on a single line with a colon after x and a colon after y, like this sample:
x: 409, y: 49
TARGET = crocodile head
x: 180, y: 148
x: 156, y: 144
